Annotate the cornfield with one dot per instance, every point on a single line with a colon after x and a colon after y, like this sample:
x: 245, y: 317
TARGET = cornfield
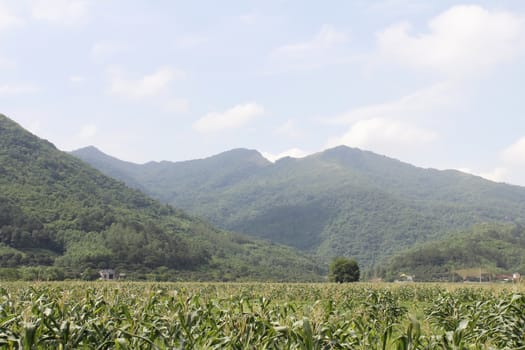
x: 98, y: 315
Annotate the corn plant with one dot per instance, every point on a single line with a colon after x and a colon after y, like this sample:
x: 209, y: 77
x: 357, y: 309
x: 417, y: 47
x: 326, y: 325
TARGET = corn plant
x: 74, y: 315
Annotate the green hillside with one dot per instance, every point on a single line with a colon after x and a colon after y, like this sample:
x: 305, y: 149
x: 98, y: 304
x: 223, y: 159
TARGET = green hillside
x: 59, y: 212
x: 342, y: 201
x: 491, y: 248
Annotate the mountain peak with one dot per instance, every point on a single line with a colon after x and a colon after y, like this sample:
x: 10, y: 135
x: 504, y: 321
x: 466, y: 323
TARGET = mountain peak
x: 356, y: 157
x: 93, y: 154
x: 88, y: 150
x: 344, y: 150
x: 242, y: 155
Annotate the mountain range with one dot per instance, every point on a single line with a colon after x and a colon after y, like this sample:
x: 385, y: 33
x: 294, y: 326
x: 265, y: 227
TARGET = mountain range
x: 339, y: 202
x: 62, y: 218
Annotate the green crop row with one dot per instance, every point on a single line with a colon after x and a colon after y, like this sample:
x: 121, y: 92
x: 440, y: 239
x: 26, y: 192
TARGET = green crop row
x: 259, y: 316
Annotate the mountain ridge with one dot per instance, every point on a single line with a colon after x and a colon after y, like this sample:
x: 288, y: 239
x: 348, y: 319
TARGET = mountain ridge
x: 342, y: 201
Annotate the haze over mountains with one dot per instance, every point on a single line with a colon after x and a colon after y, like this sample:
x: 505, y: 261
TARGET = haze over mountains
x: 59, y: 214
x: 342, y: 201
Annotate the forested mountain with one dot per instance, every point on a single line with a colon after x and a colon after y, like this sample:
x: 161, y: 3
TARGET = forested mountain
x: 57, y: 211
x: 342, y: 201
x: 488, y: 249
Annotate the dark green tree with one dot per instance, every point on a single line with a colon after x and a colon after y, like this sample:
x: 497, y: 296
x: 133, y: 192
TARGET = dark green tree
x: 344, y: 270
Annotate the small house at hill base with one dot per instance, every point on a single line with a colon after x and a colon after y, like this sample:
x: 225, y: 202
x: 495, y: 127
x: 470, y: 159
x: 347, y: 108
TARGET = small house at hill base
x: 108, y: 275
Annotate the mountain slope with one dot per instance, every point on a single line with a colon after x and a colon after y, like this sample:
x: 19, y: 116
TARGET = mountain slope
x: 493, y: 248
x: 342, y: 201
x: 167, y: 182
x: 56, y: 210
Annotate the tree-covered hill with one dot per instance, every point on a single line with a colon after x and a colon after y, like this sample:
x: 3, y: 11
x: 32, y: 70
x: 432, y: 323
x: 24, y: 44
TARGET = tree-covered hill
x: 57, y: 211
x: 342, y: 201
x: 490, y: 248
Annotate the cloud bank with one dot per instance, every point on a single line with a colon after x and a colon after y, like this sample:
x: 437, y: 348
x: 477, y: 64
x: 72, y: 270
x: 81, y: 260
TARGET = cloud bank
x: 463, y: 39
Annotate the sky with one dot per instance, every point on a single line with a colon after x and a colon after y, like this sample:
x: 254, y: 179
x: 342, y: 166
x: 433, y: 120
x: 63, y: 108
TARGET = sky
x: 433, y: 83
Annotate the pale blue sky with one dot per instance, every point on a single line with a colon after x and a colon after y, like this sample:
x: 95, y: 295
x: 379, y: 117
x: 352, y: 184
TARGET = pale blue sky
x: 437, y: 84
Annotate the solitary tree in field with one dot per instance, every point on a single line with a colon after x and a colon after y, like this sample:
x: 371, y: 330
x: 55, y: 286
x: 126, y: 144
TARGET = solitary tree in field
x: 344, y: 270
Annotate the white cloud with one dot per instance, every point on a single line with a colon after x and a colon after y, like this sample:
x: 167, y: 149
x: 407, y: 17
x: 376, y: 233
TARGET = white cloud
x: 394, y: 128
x: 466, y: 170
x: 17, y: 89
x: 326, y: 47
x: 60, y: 11
x: 515, y: 153
x: 292, y: 152
x: 420, y: 102
x: 513, y: 163
x: 511, y: 167
x: 289, y: 129
x: 496, y: 175
x: 326, y: 38
x: 7, y: 19
x: 232, y: 118
x: 149, y: 85
x: 460, y: 40
x: 385, y: 136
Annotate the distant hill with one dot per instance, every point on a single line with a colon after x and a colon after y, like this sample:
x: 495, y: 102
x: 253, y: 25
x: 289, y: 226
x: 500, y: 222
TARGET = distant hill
x: 342, y: 201
x: 65, y: 217
x: 490, y: 248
